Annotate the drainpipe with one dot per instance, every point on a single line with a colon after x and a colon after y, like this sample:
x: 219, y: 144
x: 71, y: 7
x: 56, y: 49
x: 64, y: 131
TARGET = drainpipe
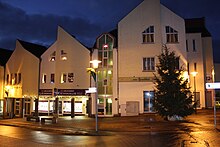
x: 37, y: 99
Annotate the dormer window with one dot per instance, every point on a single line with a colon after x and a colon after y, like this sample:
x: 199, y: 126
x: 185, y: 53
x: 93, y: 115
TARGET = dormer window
x: 53, y: 56
x: 172, y: 35
x: 63, y: 55
x: 148, y: 35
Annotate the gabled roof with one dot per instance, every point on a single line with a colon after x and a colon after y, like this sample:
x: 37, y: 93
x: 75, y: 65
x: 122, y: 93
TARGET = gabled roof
x: 113, y: 33
x: 197, y: 25
x: 4, y: 56
x: 35, y: 49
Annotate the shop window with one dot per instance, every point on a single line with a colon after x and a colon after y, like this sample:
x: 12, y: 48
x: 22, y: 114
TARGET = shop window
x: 63, y: 78
x: 52, y: 78
x: 44, y: 78
x: 172, y: 35
x: 70, y: 77
x: 63, y: 55
x: 53, y: 56
x: 149, y: 64
x: 148, y: 35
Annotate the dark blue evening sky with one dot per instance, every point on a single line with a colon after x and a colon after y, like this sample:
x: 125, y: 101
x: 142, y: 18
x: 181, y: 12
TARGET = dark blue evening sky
x: 37, y: 20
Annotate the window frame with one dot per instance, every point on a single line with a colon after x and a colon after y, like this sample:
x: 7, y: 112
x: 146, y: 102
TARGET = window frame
x: 150, y: 64
x: 172, y: 36
x: 148, y: 35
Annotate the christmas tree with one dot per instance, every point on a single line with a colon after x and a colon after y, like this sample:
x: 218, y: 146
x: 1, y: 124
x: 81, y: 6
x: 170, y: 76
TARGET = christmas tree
x: 173, y: 97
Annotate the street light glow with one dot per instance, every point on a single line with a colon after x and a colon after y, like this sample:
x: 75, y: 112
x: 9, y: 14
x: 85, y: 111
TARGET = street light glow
x: 95, y: 63
x: 194, y: 73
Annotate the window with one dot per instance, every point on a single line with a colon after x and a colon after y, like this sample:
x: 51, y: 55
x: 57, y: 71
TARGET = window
x: 149, y: 64
x: 63, y: 55
x: 11, y: 79
x: 52, y: 78
x: 172, y: 35
x: 187, y: 49
x: 7, y: 79
x: 195, y: 67
x: 148, y: 101
x: 188, y: 67
x: 16, y: 78
x: 148, y: 35
x: 70, y: 77
x: 19, y: 78
x: 44, y: 78
x: 63, y: 78
x: 53, y: 56
x: 194, y: 45
x: 177, y: 63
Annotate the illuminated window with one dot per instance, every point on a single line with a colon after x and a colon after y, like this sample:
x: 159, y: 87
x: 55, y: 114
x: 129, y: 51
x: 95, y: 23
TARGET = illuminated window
x: 148, y: 35
x: 70, y: 77
x: 53, y: 56
x: 44, y: 78
x: 149, y: 64
x: 63, y: 55
x: 172, y: 35
x: 63, y: 78
x: 52, y: 78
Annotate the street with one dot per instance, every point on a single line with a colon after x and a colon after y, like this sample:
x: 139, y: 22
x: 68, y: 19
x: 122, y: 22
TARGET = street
x: 197, y: 131
x: 17, y: 137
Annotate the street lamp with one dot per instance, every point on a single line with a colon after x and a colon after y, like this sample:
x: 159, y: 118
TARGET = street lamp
x: 95, y: 64
x: 194, y: 77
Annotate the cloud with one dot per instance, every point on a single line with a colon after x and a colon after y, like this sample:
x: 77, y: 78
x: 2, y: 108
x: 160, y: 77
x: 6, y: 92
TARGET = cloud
x: 16, y: 23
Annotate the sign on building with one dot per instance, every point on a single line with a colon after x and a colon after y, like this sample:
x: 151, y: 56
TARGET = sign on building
x: 212, y: 85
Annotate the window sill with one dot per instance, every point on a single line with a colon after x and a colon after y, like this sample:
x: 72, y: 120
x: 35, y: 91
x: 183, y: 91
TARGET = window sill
x: 148, y: 42
x: 172, y: 43
x: 148, y: 70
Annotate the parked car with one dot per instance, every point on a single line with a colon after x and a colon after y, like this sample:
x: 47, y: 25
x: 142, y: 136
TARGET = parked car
x: 217, y: 104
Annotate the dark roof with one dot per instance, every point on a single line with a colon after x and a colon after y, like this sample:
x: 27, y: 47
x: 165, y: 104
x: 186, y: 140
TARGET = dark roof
x: 35, y: 49
x: 197, y: 25
x: 4, y: 56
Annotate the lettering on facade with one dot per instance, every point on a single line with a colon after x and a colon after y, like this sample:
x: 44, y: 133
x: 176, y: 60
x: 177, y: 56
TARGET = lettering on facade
x: 72, y: 92
x: 45, y: 91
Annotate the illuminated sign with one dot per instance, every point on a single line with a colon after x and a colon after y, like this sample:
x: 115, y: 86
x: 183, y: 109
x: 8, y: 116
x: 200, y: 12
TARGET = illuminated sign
x: 91, y: 90
x: 212, y: 85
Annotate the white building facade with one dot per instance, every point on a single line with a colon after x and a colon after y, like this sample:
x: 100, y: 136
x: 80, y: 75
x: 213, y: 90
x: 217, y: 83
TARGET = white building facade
x: 64, y: 78
x: 141, y: 36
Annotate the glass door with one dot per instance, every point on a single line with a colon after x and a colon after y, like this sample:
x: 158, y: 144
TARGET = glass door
x: 104, y: 106
x: 148, y: 101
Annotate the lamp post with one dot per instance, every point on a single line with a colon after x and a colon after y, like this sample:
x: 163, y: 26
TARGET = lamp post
x: 213, y: 80
x: 194, y: 77
x: 95, y: 64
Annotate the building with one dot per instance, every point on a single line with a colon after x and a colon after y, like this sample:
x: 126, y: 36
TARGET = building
x: 64, y: 77
x: 105, y: 50
x: 21, y: 79
x: 57, y: 78
x: 5, y: 55
x: 141, y: 36
x: 200, y: 60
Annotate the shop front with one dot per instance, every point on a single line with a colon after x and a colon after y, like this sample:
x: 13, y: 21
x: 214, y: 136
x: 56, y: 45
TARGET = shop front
x: 71, y: 102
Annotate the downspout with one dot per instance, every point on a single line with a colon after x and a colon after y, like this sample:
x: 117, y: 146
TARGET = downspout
x: 38, y: 90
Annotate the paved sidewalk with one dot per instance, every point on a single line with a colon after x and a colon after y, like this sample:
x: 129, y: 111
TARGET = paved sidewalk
x: 82, y: 125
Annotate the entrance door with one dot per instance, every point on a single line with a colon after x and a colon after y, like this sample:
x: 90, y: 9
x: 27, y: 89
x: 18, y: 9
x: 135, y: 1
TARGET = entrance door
x: 104, y: 106
x: 148, y: 101
x: 27, y: 107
